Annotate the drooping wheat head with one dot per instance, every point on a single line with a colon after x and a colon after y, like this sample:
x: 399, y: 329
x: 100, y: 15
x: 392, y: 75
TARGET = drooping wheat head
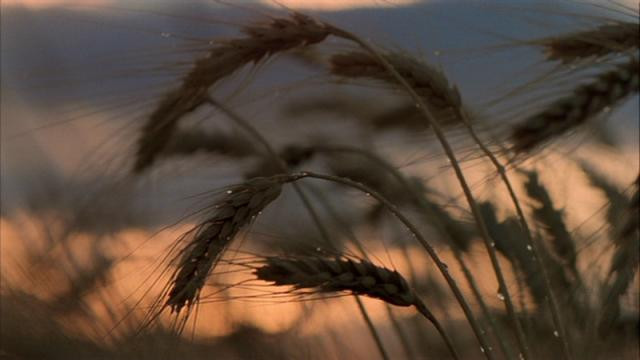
x: 585, y: 102
x: 209, y: 239
x: 327, y: 275
x: 227, y: 57
x: 430, y: 83
x: 615, y: 38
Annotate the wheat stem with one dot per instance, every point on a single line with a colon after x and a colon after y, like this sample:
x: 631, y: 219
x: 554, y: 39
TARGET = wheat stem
x: 306, y: 203
x: 465, y: 187
x: 554, y: 307
x: 421, y: 201
x: 442, y: 267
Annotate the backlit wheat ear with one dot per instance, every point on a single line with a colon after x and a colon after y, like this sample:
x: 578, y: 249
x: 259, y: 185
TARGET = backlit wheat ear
x: 335, y: 275
x: 185, y: 143
x: 601, y: 41
x: 260, y: 42
x: 239, y: 207
x: 585, y: 102
x: 624, y: 264
x: 430, y: 83
x: 551, y: 219
x: 632, y: 223
x: 327, y: 275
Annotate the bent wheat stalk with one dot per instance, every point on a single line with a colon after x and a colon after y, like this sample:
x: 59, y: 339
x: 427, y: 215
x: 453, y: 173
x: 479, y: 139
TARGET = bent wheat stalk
x: 347, y: 275
x: 442, y: 267
x: 407, y: 81
x: 585, y: 102
x: 281, y: 164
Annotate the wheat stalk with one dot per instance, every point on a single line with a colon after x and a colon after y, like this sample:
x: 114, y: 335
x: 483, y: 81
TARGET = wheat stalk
x: 238, y: 208
x: 414, y: 86
x: 260, y: 41
x: 585, y: 102
x: 602, y: 41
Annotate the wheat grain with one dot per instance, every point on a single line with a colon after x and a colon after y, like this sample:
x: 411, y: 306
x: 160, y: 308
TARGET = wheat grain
x: 238, y: 208
x: 260, y: 42
x: 585, y: 102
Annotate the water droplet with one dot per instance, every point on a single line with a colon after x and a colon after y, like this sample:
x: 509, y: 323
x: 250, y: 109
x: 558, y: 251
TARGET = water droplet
x: 482, y: 349
x: 493, y: 244
x: 501, y: 296
x: 520, y: 356
x: 229, y: 191
x: 318, y: 249
x: 367, y: 194
x: 529, y: 248
x: 556, y: 333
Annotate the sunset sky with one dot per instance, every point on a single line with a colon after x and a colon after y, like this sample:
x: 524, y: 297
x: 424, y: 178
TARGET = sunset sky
x: 329, y: 5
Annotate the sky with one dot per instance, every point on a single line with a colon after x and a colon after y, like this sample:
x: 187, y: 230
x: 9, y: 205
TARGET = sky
x: 326, y: 5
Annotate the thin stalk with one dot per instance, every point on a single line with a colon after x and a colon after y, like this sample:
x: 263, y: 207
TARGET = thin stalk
x: 305, y: 200
x: 442, y: 267
x: 506, y: 350
x: 396, y: 324
x: 429, y: 316
x: 555, y: 309
x: 467, y: 274
x: 423, y: 108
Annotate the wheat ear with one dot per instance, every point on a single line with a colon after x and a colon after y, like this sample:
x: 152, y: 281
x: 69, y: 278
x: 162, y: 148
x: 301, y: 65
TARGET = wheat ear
x: 260, y: 41
x: 585, y: 102
x: 346, y: 275
x: 238, y: 208
x: 624, y: 264
x: 602, y: 41
x: 430, y: 83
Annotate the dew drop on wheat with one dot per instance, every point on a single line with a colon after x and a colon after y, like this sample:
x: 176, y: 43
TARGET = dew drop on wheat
x: 501, y: 296
x: 556, y: 333
x: 529, y: 248
x: 229, y: 191
x: 482, y: 349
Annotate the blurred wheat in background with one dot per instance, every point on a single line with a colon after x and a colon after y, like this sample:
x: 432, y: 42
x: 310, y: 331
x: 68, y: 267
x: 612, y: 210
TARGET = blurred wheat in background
x: 320, y: 180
